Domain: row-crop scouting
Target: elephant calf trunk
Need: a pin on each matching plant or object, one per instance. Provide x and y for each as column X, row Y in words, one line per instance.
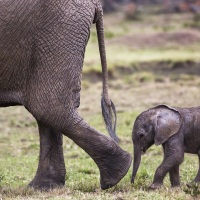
column 136, row 163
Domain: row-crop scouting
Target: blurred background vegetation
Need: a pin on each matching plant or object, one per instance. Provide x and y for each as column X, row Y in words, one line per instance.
column 153, row 52
column 168, row 6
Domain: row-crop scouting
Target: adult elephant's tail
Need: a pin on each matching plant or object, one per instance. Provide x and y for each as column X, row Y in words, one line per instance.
column 108, row 108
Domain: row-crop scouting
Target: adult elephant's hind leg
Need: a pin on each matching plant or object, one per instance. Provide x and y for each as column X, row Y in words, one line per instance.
column 112, row 161
column 51, row 168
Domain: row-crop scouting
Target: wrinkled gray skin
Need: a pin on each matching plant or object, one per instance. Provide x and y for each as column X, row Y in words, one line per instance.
column 42, row 46
column 177, row 129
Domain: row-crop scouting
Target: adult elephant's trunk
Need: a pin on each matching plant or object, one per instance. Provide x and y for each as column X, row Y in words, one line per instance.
column 137, row 159
column 108, row 108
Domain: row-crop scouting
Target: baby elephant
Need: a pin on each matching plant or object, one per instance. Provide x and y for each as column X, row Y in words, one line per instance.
column 177, row 129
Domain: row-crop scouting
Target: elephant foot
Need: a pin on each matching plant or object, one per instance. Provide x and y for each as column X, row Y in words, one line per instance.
column 45, row 185
column 115, row 169
column 155, row 186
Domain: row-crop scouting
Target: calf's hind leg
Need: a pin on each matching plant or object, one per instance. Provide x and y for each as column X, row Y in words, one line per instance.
column 197, row 178
column 51, row 168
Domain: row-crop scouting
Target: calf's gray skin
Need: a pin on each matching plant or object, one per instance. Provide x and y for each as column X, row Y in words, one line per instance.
column 42, row 47
column 177, row 129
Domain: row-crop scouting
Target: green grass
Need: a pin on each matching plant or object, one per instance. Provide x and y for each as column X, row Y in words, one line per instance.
column 19, row 157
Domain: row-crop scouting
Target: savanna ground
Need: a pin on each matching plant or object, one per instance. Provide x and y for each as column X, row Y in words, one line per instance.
column 153, row 60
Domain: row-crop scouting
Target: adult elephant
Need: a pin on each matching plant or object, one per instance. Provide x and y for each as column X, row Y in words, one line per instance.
column 42, row 46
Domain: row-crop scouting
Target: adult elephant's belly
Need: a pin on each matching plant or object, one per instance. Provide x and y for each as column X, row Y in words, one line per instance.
column 10, row 98
column 13, row 73
column 15, row 61
column 16, row 26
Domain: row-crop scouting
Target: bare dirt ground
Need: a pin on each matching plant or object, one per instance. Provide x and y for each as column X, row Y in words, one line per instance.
column 151, row 40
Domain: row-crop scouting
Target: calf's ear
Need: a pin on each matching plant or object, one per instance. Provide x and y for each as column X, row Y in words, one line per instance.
column 167, row 122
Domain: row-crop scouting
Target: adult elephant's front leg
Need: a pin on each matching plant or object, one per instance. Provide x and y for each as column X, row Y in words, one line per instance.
column 51, row 168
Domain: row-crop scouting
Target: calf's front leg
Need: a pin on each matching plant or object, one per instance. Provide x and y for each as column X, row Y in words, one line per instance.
column 173, row 157
column 174, row 176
